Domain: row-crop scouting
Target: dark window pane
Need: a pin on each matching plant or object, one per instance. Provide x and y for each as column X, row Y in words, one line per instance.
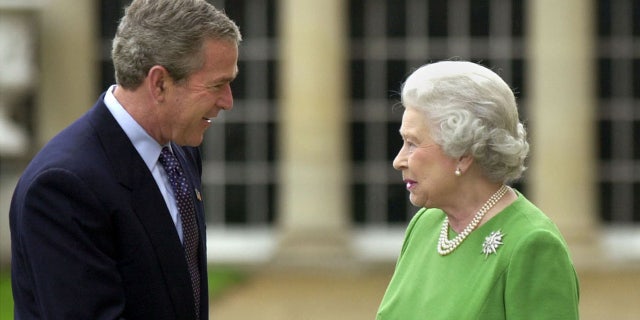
column 358, row 205
column 273, row 202
column 235, row 199
column 396, row 74
column 357, row 79
column 518, row 18
column 272, row 18
column 356, row 18
column 272, row 141
column 480, row 19
column 394, row 141
column 358, row 142
column 235, row 134
column 636, row 146
column 110, row 13
column 235, row 9
column 636, row 18
column 438, row 18
column 603, row 12
column 517, row 78
column 397, row 202
column 636, row 78
column 107, row 75
column 396, row 19
column 605, row 135
column 239, row 83
column 605, row 201
column 604, row 78
column 636, row 201
column 272, row 83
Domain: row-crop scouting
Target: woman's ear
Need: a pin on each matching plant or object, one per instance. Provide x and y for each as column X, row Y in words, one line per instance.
column 464, row 162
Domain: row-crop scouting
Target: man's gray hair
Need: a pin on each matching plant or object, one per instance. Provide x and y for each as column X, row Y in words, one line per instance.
column 170, row 33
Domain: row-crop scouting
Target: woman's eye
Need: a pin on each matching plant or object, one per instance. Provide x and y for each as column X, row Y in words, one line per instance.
column 409, row 145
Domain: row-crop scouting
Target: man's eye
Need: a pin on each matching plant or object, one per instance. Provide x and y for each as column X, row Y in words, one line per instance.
column 216, row 87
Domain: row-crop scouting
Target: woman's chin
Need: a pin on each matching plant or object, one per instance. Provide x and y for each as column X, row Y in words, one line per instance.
column 416, row 201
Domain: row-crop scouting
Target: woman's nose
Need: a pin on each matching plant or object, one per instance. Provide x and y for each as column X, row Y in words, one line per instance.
column 400, row 161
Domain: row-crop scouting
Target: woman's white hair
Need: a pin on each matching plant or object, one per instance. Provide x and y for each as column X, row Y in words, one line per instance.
column 471, row 111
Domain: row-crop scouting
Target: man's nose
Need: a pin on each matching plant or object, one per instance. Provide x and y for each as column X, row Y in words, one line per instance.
column 226, row 99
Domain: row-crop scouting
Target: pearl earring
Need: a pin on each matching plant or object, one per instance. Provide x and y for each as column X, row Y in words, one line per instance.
column 458, row 172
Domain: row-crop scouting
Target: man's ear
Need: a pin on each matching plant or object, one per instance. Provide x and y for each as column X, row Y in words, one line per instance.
column 158, row 79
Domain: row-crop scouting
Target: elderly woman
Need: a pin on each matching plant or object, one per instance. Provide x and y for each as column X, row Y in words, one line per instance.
column 477, row 249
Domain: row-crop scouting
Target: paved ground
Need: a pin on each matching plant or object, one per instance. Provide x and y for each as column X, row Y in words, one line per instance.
column 311, row 295
column 303, row 295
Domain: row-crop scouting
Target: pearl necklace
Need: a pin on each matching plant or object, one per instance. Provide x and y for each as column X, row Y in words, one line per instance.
column 446, row 246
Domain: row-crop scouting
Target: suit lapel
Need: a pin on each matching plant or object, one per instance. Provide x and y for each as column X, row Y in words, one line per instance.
column 148, row 205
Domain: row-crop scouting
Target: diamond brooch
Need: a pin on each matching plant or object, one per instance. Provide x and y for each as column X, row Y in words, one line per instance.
column 492, row 242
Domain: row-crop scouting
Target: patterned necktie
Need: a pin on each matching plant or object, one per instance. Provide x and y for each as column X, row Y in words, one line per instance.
column 187, row 211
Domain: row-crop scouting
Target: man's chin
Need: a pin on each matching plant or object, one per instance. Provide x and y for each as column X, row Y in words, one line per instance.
column 190, row 142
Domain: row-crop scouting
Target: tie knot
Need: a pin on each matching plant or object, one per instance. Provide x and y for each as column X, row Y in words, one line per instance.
column 167, row 159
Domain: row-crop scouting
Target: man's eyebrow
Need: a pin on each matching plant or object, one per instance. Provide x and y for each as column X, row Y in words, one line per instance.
column 229, row 78
column 224, row 80
column 220, row 81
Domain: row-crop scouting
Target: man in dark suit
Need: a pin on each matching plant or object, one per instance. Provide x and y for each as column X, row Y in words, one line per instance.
column 107, row 220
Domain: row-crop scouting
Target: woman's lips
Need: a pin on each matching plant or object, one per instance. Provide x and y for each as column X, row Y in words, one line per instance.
column 410, row 184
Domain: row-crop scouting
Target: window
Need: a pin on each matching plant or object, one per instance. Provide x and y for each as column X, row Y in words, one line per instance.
column 391, row 38
column 618, row 73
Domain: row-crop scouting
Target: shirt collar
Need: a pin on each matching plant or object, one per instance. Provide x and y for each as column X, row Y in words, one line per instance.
column 148, row 148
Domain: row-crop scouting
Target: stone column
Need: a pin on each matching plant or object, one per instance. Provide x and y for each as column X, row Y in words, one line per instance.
column 561, row 91
column 19, row 20
column 18, row 65
column 63, row 76
column 313, row 212
column 70, row 62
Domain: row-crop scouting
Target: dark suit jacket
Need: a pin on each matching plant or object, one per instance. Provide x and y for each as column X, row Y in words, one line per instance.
column 91, row 236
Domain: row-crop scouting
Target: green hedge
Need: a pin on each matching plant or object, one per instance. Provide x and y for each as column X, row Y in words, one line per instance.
column 6, row 300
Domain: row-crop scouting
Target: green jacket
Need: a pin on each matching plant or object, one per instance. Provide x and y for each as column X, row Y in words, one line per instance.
column 530, row 275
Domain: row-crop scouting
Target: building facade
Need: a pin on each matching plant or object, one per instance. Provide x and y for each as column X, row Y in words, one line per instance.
column 300, row 169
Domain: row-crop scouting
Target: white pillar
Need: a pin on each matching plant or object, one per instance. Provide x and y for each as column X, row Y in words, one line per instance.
column 561, row 73
column 69, row 61
column 18, row 43
column 65, row 80
column 313, row 213
column 18, row 80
